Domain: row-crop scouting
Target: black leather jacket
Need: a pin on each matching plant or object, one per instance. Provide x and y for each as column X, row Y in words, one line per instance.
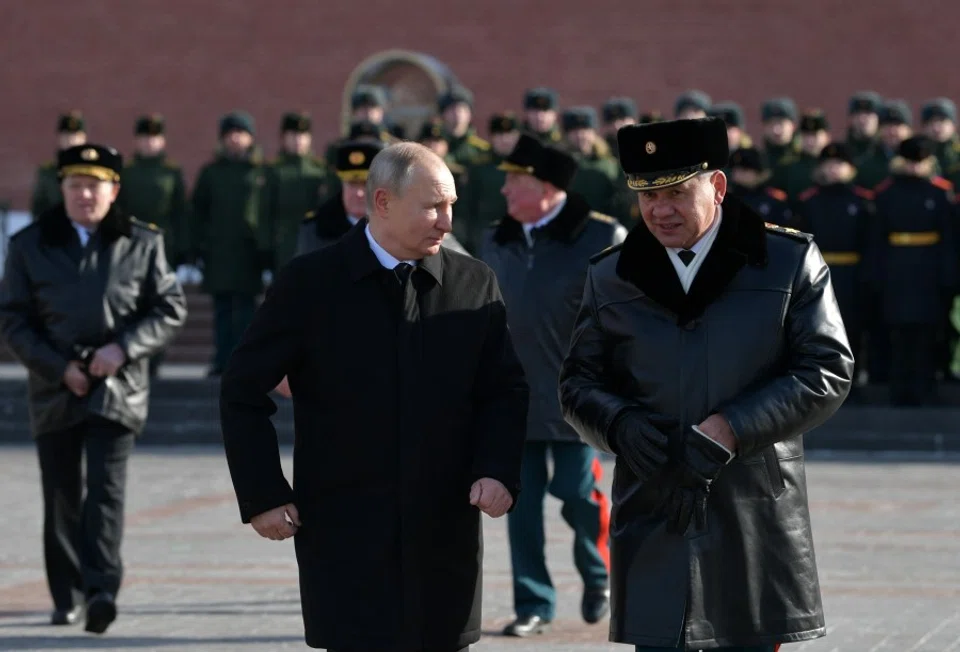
column 758, row 339
column 60, row 302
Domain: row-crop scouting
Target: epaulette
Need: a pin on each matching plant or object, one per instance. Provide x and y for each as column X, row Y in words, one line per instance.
column 49, row 165
column 777, row 194
column 596, row 258
column 309, row 216
column 941, row 183
column 864, row 193
column 956, row 145
column 150, row 226
column 883, row 185
column 478, row 142
column 600, row 217
column 746, row 141
column 788, row 232
column 808, row 193
column 171, row 164
column 456, row 168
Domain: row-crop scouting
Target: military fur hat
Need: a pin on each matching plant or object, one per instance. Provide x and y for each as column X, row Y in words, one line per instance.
column 813, row 121
column 432, row 130
column 579, row 117
column 650, row 116
column 354, row 158
column 896, row 112
column 939, row 108
column 619, row 108
column 298, row 122
column 150, row 125
column 237, row 121
column 542, row 99
column 730, row 112
column 836, row 152
column 864, row 102
column 71, row 123
column 99, row 161
column 456, row 95
column 692, row 99
column 544, row 162
column 778, row 108
column 917, row 149
column 504, row 123
column 747, row 158
column 368, row 96
column 664, row 154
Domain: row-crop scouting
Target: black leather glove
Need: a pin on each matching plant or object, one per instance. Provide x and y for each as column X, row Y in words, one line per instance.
column 643, row 448
column 687, row 484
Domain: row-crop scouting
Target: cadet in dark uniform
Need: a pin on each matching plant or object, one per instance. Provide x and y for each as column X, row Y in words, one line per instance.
column 484, row 196
column 750, row 183
column 540, row 251
column 71, row 131
column 367, row 104
column 814, row 136
column 862, row 123
column 540, row 107
column 298, row 181
column 780, row 146
column 895, row 120
column 433, row 136
column 231, row 231
column 597, row 169
column 152, row 188
column 617, row 112
column 86, row 299
column 939, row 117
column 691, row 104
column 838, row 214
column 464, row 146
column 913, row 267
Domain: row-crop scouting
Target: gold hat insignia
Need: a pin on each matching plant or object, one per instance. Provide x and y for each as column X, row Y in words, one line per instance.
column 651, row 147
column 356, row 158
column 89, row 154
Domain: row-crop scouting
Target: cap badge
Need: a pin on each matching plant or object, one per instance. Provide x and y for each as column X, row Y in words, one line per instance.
column 89, row 154
column 651, row 147
column 356, row 158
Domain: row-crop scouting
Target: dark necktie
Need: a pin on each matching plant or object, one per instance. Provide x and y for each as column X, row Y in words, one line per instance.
column 403, row 270
column 685, row 256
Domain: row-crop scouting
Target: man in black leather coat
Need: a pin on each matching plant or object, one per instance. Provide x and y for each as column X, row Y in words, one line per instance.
column 706, row 345
column 87, row 298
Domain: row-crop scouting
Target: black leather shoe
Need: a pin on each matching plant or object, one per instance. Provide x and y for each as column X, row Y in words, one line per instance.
column 101, row 611
column 66, row 616
column 595, row 604
column 526, row 626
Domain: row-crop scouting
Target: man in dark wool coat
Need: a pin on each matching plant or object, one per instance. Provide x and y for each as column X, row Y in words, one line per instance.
column 410, row 408
column 706, row 345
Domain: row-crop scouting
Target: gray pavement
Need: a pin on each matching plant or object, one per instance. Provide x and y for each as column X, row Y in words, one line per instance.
column 887, row 531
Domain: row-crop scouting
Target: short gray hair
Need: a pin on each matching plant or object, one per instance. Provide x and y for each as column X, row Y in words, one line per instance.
column 393, row 169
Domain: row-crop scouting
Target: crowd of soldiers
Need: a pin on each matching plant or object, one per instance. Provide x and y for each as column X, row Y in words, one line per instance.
column 879, row 202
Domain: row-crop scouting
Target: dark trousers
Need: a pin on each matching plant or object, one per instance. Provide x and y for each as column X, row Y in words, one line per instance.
column 232, row 313
column 756, row 648
column 82, row 534
column 913, row 350
column 576, row 477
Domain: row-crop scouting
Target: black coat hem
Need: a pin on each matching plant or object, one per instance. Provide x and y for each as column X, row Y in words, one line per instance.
column 720, row 642
column 465, row 639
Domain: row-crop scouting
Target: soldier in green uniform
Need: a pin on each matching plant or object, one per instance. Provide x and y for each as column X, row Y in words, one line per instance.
column 814, row 136
column 597, row 170
column 732, row 115
column 484, row 199
column 298, row 181
column 540, row 115
column 465, row 147
column 367, row 104
column 895, row 119
column 939, row 117
column 780, row 144
column 230, row 231
column 691, row 105
column 433, row 135
column 152, row 188
column 71, row 131
column 862, row 123
column 617, row 112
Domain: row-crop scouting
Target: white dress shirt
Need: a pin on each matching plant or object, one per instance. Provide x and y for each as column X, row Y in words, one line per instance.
column 543, row 221
column 353, row 220
column 689, row 272
column 385, row 257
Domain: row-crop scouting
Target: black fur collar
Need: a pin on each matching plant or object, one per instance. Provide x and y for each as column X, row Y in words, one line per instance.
column 565, row 227
column 331, row 219
column 741, row 240
column 57, row 230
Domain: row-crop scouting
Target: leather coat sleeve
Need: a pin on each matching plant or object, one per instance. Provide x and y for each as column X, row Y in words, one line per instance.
column 589, row 404
column 18, row 323
column 164, row 313
column 818, row 367
column 266, row 353
column 501, row 400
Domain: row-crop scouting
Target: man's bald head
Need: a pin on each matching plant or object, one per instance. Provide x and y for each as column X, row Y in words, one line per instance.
column 395, row 167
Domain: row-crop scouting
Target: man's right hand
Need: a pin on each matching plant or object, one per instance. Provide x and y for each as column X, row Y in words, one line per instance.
column 643, row 448
column 278, row 524
column 75, row 379
column 283, row 389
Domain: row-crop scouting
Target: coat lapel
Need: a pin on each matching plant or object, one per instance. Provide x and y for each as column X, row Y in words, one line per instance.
column 565, row 227
column 741, row 240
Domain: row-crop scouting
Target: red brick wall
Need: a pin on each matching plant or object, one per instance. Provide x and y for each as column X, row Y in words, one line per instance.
column 194, row 59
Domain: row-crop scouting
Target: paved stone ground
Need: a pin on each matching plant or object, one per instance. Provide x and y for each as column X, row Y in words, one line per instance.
column 888, row 537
